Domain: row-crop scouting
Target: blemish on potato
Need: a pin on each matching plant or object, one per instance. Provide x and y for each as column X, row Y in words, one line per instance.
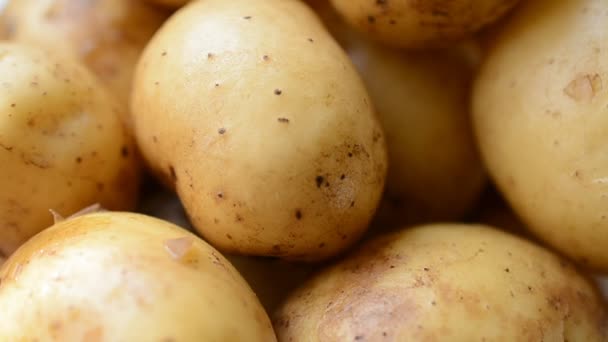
column 584, row 87
column 172, row 173
column 178, row 247
column 371, row 19
column 78, row 160
column 319, row 181
column 298, row 214
column 247, row 17
column 278, row 92
column 221, row 130
column 283, row 120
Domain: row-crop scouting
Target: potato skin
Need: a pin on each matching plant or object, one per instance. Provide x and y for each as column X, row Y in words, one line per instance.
column 62, row 144
column 418, row 24
column 106, row 35
column 110, row 277
column 540, row 118
column 430, row 283
column 272, row 143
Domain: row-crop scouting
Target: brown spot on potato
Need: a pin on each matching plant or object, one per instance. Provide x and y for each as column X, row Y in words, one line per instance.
column 124, row 151
column 172, row 173
column 278, row 92
column 283, row 120
column 210, row 55
column 319, row 181
column 266, row 57
column 298, row 214
column 78, row 160
column 371, row 19
column 584, row 87
column 221, row 130
column 311, row 40
column 247, row 17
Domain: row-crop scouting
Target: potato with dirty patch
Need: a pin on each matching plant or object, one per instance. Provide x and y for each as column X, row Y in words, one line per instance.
column 419, row 24
column 422, row 99
column 446, row 282
column 125, row 277
column 264, row 126
column 62, row 144
column 106, row 35
column 539, row 108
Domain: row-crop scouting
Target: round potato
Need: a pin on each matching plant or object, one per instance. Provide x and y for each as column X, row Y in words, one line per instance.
column 265, row 128
column 416, row 24
column 540, row 117
column 62, row 144
column 125, row 277
column 446, row 282
column 106, row 35
column 422, row 100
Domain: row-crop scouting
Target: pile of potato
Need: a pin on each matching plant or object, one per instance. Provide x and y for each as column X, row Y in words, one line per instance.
column 290, row 170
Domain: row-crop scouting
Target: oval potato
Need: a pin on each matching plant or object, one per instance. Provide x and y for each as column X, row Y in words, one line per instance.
column 540, row 117
column 125, row 277
column 431, row 283
column 62, row 144
column 260, row 120
column 106, row 35
column 417, row 24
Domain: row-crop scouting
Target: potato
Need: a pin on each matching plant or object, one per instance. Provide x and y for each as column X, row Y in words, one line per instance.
column 416, row 24
column 270, row 155
column 540, row 118
column 106, row 35
column 125, row 277
column 422, row 101
column 62, row 144
column 446, row 282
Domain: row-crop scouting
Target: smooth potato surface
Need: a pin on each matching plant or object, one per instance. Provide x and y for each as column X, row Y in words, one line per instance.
column 540, row 116
column 445, row 283
column 416, row 24
column 125, row 277
column 259, row 119
column 106, row 35
column 62, row 144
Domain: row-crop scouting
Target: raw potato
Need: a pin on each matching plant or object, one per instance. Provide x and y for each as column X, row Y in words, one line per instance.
column 540, row 115
column 422, row 99
column 446, row 283
column 106, row 35
column 125, row 277
column 264, row 126
column 416, row 24
column 62, row 144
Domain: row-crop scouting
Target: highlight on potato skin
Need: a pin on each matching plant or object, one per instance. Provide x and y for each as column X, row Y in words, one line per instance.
column 421, row 24
column 62, row 144
column 105, row 35
column 539, row 111
column 284, row 157
column 445, row 282
column 125, row 277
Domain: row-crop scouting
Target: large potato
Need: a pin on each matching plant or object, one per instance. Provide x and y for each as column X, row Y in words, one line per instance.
column 260, row 120
column 446, row 283
column 422, row 99
column 540, row 115
column 62, row 144
column 106, row 35
column 415, row 23
column 125, row 277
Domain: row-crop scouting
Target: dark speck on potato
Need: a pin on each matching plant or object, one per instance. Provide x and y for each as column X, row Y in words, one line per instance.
column 221, row 130
column 278, row 92
column 319, row 180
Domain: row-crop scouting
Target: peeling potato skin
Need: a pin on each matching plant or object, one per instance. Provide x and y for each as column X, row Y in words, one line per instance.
column 430, row 283
column 108, row 277
column 282, row 158
column 420, row 23
column 106, row 35
column 539, row 110
column 62, row 144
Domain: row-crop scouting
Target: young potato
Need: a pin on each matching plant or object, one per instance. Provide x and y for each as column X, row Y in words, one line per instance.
column 106, row 35
column 422, row 101
column 446, row 282
column 125, row 277
column 540, row 118
column 417, row 24
column 62, row 144
column 264, row 126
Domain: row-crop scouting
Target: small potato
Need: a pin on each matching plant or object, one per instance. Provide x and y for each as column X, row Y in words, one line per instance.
column 416, row 24
column 106, row 35
column 62, row 144
column 435, row 172
column 125, row 277
column 446, row 283
column 539, row 110
column 260, row 120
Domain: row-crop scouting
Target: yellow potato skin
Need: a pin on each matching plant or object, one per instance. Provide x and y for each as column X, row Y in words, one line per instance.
column 445, row 282
column 540, row 118
column 106, row 35
column 419, row 24
column 422, row 99
column 109, row 277
column 272, row 143
column 62, row 144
